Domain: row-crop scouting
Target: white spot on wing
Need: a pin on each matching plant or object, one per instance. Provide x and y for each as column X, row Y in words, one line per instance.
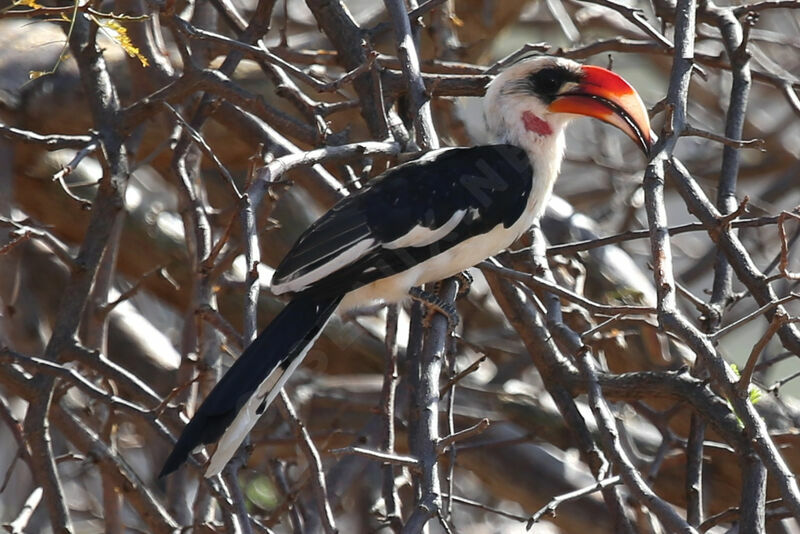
column 347, row 257
column 421, row 236
column 431, row 155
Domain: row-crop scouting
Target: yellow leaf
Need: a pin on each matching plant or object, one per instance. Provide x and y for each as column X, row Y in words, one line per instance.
column 119, row 34
column 34, row 74
column 29, row 3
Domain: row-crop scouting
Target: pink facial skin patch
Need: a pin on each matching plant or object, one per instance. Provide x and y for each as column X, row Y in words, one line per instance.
column 535, row 124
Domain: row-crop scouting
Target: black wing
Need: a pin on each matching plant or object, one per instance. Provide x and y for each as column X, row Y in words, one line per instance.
column 407, row 215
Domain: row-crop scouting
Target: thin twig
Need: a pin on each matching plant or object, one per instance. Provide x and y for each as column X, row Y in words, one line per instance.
column 51, row 142
column 471, row 368
column 758, row 144
column 67, row 169
column 732, row 514
column 578, row 246
column 555, row 502
column 754, row 314
column 198, row 138
column 135, row 288
column 420, row 108
column 379, row 456
column 778, row 320
column 474, row 430
column 783, row 266
column 25, row 231
column 486, row 508
column 315, row 464
column 18, row 525
column 539, row 282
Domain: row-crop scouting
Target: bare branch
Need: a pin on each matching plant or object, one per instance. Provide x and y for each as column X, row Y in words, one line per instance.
column 308, row 447
column 553, row 505
column 51, row 142
column 420, row 108
column 18, row 525
column 380, row 456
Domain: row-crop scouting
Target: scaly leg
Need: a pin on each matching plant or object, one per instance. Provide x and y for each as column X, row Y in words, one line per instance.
column 435, row 304
column 464, row 283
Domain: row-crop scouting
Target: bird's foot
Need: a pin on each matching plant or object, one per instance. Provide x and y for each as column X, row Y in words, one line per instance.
column 436, row 305
column 464, row 283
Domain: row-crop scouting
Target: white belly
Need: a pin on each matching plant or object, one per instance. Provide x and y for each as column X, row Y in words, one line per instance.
column 451, row 262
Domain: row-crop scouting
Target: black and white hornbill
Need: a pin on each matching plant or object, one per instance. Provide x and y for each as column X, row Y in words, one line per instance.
column 419, row 222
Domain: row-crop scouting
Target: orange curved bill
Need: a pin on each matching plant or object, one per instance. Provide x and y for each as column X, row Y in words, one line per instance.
column 605, row 95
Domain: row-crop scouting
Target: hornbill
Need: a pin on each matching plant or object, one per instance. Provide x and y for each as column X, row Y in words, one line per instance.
column 419, row 222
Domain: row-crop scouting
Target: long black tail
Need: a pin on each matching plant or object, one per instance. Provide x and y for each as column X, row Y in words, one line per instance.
column 244, row 392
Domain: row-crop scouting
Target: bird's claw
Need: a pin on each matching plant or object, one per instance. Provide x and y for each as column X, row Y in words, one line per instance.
column 464, row 283
column 437, row 305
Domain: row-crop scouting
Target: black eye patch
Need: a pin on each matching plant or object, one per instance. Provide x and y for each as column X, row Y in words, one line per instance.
column 547, row 82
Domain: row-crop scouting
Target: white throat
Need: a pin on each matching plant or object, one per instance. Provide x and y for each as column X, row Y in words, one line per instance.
column 523, row 120
column 506, row 119
column 545, row 151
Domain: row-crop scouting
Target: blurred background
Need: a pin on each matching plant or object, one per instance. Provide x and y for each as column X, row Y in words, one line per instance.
column 166, row 308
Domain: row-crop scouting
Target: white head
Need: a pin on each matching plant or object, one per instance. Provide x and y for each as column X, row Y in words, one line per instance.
column 531, row 102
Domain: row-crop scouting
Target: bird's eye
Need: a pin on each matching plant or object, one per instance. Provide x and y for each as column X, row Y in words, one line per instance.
column 547, row 81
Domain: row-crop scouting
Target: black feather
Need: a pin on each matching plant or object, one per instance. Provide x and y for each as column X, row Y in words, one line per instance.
column 279, row 344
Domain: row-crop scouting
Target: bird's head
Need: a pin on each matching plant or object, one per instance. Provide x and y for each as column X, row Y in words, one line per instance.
column 530, row 103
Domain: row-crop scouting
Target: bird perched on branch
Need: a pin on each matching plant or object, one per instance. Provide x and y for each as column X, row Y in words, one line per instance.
column 419, row 222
